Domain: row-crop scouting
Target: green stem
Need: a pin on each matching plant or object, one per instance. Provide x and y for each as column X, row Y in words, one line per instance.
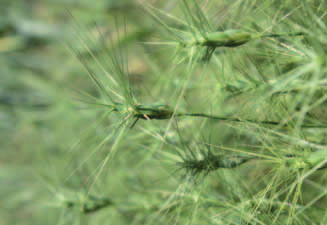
column 161, row 112
column 284, row 34
column 247, row 120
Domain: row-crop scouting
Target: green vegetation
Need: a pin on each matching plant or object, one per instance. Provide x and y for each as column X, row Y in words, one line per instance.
column 167, row 112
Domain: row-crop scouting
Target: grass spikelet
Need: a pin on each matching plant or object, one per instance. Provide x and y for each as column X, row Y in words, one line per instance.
column 211, row 162
column 198, row 160
column 232, row 38
column 114, row 83
column 201, row 33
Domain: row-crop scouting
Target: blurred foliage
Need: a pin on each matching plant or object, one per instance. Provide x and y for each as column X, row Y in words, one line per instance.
column 39, row 118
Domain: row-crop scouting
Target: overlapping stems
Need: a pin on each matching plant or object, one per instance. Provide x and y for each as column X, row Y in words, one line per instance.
column 114, row 82
column 198, row 160
column 116, row 74
column 194, row 159
column 201, row 35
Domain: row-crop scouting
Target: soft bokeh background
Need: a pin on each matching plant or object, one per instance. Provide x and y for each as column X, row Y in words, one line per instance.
column 39, row 121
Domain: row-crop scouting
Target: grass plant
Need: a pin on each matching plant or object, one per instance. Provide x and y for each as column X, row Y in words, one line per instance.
column 277, row 196
column 221, row 121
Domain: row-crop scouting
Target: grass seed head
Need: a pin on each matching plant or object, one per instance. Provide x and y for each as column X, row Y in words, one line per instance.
column 211, row 163
column 229, row 38
column 157, row 112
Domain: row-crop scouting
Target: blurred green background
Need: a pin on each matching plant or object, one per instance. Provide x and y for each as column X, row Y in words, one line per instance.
column 40, row 122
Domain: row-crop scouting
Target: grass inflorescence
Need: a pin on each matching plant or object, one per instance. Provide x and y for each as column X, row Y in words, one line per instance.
column 195, row 164
column 202, row 33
